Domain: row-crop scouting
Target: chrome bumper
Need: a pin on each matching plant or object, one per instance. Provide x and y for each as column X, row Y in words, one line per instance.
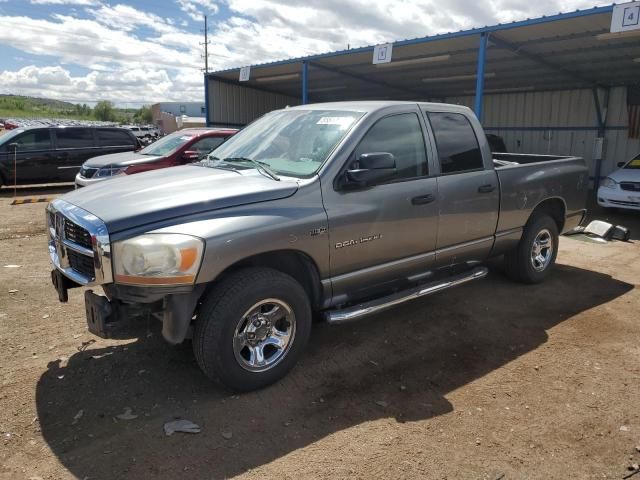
column 60, row 212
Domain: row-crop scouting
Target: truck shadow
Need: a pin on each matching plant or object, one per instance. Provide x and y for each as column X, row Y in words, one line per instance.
column 400, row 364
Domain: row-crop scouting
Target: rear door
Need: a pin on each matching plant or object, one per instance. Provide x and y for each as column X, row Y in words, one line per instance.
column 387, row 231
column 35, row 162
column 74, row 145
column 468, row 190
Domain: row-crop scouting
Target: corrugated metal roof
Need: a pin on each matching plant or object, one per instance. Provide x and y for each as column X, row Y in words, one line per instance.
column 567, row 50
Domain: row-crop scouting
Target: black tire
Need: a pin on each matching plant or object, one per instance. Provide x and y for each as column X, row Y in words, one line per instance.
column 222, row 312
column 519, row 265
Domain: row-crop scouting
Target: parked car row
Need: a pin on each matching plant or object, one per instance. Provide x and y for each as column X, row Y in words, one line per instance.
column 57, row 154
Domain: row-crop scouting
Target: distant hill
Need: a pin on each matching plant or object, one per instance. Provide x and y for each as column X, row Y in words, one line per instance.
column 19, row 106
column 32, row 107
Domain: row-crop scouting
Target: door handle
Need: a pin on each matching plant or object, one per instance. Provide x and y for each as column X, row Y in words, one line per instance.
column 423, row 199
column 486, row 188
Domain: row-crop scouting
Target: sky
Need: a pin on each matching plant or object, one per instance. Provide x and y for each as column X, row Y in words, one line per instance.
column 135, row 52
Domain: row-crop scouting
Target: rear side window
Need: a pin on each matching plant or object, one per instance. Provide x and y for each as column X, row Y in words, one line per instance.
column 206, row 145
column 33, row 140
column 74, row 137
column 458, row 148
column 114, row 138
column 400, row 135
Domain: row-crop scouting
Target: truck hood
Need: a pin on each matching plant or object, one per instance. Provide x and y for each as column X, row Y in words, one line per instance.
column 144, row 198
column 625, row 175
column 120, row 159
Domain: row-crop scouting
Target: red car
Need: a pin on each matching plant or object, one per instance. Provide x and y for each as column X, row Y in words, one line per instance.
column 184, row 146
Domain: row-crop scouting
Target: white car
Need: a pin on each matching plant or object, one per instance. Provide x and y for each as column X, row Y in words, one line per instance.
column 621, row 189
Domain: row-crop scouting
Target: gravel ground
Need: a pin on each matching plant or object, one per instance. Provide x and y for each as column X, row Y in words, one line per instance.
column 493, row 380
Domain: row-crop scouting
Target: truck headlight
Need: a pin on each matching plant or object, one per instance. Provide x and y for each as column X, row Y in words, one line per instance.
column 609, row 183
column 157, row 259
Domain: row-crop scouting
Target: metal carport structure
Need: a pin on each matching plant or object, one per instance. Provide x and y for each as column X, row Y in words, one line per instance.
column 556, row 75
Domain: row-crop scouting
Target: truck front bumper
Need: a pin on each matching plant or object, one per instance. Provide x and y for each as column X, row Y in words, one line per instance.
column 124, row 310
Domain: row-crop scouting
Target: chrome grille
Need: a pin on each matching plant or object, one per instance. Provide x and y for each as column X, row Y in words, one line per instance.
column 81, row 263
column 76, row 234
column 78, row 244
column 630, row 186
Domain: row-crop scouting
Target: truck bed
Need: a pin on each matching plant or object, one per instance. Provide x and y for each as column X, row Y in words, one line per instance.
column 526, row 180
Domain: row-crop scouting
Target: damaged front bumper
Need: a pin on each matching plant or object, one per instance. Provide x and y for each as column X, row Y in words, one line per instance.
column 123, row 309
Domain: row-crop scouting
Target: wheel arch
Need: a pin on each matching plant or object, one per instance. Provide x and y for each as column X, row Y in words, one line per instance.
column 294, row 263
column 555, row 207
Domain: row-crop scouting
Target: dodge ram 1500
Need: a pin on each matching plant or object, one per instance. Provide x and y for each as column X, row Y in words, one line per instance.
column 338, row 210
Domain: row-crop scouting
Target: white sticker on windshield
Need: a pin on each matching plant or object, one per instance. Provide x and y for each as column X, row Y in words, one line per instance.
column 342, row 121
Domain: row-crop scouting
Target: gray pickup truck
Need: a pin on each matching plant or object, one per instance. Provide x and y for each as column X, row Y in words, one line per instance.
column 331, row 211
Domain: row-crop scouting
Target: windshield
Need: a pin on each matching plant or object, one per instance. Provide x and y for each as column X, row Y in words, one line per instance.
column 289, row 142
column 167, row 145
column 633, row 164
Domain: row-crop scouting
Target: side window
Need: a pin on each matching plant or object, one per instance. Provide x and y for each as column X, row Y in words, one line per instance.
column 74, row 137
column 33, row 140
column 114, row 138
column 400, row 135
column 458, row 148
column 204, row 146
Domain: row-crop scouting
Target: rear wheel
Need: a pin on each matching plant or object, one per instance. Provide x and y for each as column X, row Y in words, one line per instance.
column 536, row 252
column 252, row 328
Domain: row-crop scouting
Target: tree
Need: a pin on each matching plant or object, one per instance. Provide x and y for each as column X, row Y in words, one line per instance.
column 104, row 111
column 143, row 115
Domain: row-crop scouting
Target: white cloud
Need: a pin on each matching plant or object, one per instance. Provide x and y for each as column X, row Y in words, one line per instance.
column 197, row 8
column 127, row 63
column 65, row 2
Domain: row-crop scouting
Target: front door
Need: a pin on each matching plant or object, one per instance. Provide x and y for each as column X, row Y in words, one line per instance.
column 387, row 231
column 33, row 157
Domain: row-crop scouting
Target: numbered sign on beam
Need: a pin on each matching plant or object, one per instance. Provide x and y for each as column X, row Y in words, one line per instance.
column 382, row 53
column 625, row 17
column 245, row 73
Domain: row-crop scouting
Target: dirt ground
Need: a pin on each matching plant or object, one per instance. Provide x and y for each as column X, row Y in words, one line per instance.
column 493, row 380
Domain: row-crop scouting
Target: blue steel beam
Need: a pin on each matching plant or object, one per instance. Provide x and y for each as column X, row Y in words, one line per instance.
column 206, row 100
column 482, row 60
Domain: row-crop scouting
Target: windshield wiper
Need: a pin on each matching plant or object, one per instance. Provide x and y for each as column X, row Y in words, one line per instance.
column 214, row 162
column 262, row 167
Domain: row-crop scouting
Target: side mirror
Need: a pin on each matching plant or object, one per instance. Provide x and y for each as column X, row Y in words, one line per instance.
column 191, row 156
column 372, row 168
column 621, row 164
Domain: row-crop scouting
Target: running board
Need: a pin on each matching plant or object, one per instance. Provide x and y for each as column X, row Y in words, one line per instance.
column 335, row 317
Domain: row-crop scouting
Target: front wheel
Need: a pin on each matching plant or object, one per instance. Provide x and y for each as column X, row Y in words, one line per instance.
column 536, row 252
column 252, row 328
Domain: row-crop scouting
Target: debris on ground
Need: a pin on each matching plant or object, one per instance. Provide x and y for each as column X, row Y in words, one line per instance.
column 624, row 428
column 382, row 403
column 77, row 416
column 12, row 266
column 633, row 467
column 84, row 345
column 227, row 435
column 127, row 415
column 12, row 291
column 184, row 426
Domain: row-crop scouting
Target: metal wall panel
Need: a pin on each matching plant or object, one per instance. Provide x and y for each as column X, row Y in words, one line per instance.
column 562, row 122
column 233, row 105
